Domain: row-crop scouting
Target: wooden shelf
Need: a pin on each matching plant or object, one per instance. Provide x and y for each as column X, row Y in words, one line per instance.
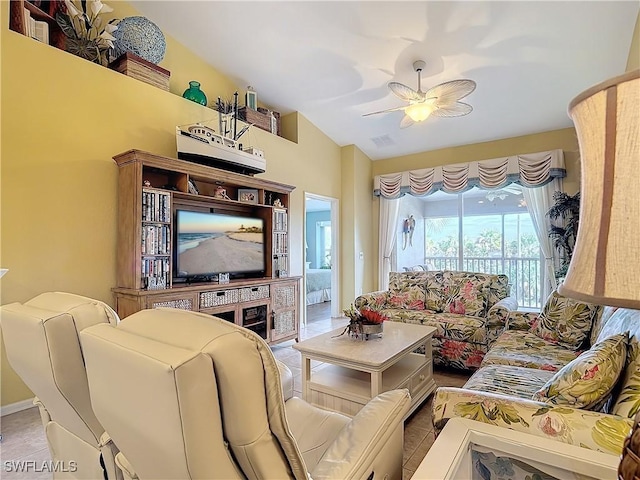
column 151, row 190
column 17, row 23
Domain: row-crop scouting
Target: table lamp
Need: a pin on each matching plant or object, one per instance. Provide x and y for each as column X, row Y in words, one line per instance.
column 605, row 267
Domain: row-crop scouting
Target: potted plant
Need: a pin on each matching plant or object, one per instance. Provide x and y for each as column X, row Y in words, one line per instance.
column 564, row 216
column 88, row 35
column 364, row 322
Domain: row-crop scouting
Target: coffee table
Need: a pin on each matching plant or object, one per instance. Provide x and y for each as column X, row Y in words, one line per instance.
column 354, row 371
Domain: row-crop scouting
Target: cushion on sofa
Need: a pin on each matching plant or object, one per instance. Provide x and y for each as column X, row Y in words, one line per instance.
column 458, row 327
column 457, row 354
column 565, row 321
column 524, row 349
column 418, row 317
column 587, row 381
column 627, row 403
column 466, row 295
column 406, row 290
column 433, row 289
column 508, row 380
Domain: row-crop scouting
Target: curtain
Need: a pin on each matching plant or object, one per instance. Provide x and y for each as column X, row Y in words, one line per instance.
column 387, row 239
column 530, row 170
column 539, row 200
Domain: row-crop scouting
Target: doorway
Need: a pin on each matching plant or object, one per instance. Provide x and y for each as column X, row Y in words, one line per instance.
column 321, row 257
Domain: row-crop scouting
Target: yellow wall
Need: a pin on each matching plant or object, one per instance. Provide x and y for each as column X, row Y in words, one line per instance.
column 356, row 234
column 63, row 118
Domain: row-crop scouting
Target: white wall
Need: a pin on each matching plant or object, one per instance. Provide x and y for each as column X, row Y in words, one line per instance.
column 412, row 254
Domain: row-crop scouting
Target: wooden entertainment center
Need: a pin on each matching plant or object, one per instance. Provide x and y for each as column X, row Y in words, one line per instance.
column 151, row 188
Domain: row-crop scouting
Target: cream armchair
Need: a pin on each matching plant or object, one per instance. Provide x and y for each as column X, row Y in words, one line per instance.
column 42, row 345
column 186, row 395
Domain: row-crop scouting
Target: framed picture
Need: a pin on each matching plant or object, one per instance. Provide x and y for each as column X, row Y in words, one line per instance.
column 248, row 195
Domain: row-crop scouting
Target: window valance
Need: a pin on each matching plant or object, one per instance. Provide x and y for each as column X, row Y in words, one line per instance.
column 530, row 170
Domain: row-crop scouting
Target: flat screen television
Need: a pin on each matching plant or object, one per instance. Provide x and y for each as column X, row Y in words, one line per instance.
column 211, row 243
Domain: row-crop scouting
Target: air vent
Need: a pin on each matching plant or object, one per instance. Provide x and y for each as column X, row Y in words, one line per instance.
column 383, row 141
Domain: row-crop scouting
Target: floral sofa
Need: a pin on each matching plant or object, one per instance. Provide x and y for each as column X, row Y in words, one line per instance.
column 469, row 310
column 570, row 373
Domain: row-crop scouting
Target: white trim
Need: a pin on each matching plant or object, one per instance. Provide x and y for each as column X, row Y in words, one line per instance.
column 335, row 252
column 16, row 407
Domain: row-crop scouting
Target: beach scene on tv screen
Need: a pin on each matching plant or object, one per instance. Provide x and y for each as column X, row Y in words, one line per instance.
column 209, row 243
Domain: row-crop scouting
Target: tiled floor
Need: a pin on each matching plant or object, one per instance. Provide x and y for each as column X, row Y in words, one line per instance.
column 23, row 436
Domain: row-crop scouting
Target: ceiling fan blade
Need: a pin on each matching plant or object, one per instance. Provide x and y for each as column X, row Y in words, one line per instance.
column 450, row 92
column 458, row 109
column 384, row 111
column 406, row 122
column 405, row 93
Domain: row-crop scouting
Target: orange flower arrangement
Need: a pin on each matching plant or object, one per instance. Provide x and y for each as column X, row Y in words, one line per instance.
column 358, row 319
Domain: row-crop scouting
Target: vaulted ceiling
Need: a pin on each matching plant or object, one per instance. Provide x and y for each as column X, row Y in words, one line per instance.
column 331, row 61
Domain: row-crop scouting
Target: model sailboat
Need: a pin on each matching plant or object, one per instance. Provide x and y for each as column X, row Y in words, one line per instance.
column 201, row 144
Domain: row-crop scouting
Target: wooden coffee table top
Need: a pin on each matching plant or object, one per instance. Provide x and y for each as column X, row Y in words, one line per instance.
column 378, row 352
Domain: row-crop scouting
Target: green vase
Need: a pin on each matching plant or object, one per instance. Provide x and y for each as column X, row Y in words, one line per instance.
column 194, row 93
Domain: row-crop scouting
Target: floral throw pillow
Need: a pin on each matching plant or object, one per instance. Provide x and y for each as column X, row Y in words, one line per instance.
column 628, row 401
column 466, row 297
column 434, row 292
column 587, row 381
column 406, row 290
column 565, row 321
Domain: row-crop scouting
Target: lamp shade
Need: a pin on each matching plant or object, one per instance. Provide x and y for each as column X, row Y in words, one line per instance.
column 605, row 266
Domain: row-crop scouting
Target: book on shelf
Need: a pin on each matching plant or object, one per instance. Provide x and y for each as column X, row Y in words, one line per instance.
column 40, row 31
column 280, row 219
column 155, row 273
column 155, row 207
column 35, row 28
column 156, row 240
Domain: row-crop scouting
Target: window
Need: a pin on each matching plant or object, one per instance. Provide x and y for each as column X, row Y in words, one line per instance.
column 324, row 244
column 485, row 231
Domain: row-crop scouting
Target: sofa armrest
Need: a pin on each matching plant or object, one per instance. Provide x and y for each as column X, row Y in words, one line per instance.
column 521, row 320
column 371, row 443
column 372, row 299
column 585, row 428
column 497, row 317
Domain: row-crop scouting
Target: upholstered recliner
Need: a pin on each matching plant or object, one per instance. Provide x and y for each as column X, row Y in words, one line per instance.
column 186, row 395
column 43, row 347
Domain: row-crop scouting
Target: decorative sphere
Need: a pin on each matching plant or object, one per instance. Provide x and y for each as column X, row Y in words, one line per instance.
column 140, row 36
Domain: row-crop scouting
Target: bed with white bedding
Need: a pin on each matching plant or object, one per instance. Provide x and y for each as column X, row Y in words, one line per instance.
column 318, row 281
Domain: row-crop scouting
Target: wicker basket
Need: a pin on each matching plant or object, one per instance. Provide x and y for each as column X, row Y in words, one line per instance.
column 259, row 118
column 629, row 468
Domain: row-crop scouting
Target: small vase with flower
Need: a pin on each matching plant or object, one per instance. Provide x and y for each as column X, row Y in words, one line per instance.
column 363, row 322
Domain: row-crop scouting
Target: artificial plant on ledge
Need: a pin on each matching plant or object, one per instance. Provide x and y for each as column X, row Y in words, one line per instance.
column 88, row 36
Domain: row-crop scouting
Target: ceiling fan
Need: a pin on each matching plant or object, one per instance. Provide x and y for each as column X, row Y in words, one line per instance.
column 440, row 101
column 504, row 192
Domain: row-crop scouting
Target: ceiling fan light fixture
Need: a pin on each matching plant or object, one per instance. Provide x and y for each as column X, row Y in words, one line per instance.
column 419, row 111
